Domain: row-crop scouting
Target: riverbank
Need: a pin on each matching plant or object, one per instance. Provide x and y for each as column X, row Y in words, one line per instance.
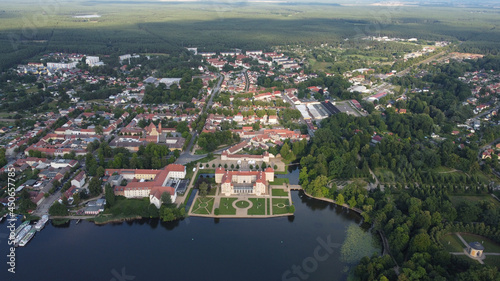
column 359, row 211
column 241, row 216
column 113, row 219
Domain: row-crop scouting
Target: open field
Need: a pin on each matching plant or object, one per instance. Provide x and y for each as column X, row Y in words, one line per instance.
column 452, row 243
column 489, row 245
column 27, row 29
column 492, row 260
column 457, row 199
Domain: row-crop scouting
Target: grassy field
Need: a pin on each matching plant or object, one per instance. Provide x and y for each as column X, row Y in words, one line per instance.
column 457, row 199
column 206, row 159
column 489, row 245
column 268, row 208
column 280, row 206
column 279, row 181
column 279, row 192
column 258, row 207
column 452, row 243
column 226, row 206
column 242, row 204
column 203, row 206
column 188, row 195
column 492, row 260
column 321, row 66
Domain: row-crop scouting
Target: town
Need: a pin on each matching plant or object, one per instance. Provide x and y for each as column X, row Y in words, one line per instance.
column 218, row 134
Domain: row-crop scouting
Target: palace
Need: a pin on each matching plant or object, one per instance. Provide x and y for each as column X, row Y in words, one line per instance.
column 249, row 182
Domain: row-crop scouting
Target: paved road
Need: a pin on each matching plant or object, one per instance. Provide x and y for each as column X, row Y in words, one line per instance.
column 43, row 208
column 187, row 156
column 247, row 81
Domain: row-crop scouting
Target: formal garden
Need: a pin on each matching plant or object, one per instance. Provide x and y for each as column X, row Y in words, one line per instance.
column 258, row 206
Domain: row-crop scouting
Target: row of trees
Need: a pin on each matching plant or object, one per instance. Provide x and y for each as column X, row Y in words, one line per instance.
column 210, row 141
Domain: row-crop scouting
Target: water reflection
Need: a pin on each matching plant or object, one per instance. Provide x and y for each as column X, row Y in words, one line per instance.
column 261, row 248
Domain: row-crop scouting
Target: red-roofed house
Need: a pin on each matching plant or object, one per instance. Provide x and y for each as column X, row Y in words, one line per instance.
column 144, row 181
column 79, row 180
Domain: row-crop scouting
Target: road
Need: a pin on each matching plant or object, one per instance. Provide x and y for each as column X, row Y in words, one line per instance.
column 187, row 156
column 427, row 60
column 247, row 81
column 485, row 113
column 43, row 208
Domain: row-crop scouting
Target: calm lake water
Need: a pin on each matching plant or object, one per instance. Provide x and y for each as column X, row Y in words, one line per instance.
column 191, row 249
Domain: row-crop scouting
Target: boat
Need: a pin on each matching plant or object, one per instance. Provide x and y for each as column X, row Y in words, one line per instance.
column 21, row 234
column 21, row 227
column 27, row 238
column 41, row 223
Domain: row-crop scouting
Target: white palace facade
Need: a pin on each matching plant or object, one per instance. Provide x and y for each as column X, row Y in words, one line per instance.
column 244, row 182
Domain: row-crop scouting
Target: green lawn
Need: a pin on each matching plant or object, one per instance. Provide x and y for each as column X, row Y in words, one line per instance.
column 258, row 207
column 455, row 244
column 279, row 192
column 280, row 206
column 489, row 245
column 188, row 195
column 268, row 209
column 492, row 260
column 205, row 171
column 476, row 198
column 206, row 159
column 242, row 204
column 200, row 151
column 203, row 205
column 279, row 181
column 226, row 206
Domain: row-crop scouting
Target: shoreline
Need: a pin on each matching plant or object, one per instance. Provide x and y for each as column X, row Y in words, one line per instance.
column 115, row 220
column 242, row 217
column 359, row 211
column 132, row 218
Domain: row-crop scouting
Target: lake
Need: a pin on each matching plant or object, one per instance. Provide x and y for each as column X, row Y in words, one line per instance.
column 191, row 249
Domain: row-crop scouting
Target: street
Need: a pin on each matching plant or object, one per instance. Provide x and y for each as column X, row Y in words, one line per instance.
column 187, row 156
